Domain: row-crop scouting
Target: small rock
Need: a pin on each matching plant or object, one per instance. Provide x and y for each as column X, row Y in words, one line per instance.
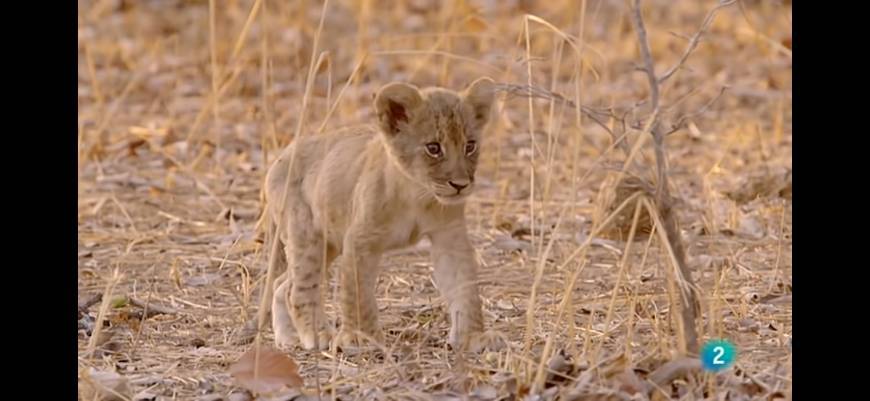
column 485, row 392
column 509, row 244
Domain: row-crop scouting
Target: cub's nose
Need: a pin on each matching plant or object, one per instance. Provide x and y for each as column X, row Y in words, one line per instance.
column 459, row 185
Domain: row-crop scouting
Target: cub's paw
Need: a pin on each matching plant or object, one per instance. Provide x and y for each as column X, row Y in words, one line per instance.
column 320, row 340
column 482, row 341
column 285, row 336
column 354, row 341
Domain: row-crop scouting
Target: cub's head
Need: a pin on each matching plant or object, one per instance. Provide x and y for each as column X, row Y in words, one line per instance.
column 434, row 134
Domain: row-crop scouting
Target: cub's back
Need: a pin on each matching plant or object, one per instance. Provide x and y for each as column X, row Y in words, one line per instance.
column 326, row 166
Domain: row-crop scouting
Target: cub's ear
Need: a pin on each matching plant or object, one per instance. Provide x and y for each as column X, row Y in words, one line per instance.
column 480, row 95
column 396, row 103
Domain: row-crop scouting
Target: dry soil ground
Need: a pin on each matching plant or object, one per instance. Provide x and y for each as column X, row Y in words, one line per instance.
column 182, row 104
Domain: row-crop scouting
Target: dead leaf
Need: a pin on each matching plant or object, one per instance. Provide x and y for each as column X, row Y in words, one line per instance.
column 145, row 396
column 86, row 323
column 476, row 24
column 152, row 131
column 90, row 301
column 550, row 393
column 673, row 370
column 751, row 227
column 103, row 385
column 203, row 280
column 509, row 244
column 761, row 185
column 507, row 381
column 421, row 6
column 104, row 337
column 247, row 334
column 133, row 145
column 776, row 396
column 748, row 325
column 505, row 224
column 628, row 382
column 694, row 132
column 152, row 306
column 275, row 371
column 559, row 368
column 613, row 365
column 751, row 388
column 239, row 396
column 446, row 397
column 613, row 193
column 485, row 392
column 785, row 299
column 521, row 232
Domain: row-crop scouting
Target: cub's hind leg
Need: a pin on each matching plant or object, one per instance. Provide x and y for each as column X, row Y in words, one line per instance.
column 282, row 323
column 308, row 255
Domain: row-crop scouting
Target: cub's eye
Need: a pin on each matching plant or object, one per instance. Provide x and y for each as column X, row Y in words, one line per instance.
column 470, row 147
column 433, row 149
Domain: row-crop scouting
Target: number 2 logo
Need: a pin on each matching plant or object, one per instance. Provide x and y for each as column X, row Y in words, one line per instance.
column 719, row 351
column 718, row 355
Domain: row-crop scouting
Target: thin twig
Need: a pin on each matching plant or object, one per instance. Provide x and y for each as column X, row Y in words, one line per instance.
column 151, row 309
column 525, row 90
column 682, row 120
column 105, row 304
column 693, row 42
column 90, row 301
column 640, row 29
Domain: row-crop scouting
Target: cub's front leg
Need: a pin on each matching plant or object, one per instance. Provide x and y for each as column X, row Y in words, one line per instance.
column 358, row 279
column 456, row 277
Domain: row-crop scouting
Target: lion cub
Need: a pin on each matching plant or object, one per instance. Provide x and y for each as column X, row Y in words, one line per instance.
column 359, row 192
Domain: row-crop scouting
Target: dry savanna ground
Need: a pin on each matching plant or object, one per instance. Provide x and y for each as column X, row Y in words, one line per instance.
column 183, row 104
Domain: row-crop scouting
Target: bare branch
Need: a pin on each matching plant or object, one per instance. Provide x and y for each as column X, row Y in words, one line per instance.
column 90, row 301
column 680, row 35
column 682, row 120
column 693, row 42
column 640, row 29
column 664, row 205
column 535, row 92
column 646, row 55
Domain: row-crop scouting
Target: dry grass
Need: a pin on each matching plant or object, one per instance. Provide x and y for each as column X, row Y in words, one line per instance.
column 183, row 104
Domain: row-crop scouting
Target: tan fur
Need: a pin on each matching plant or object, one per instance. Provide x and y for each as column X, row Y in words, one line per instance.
column 359, row 192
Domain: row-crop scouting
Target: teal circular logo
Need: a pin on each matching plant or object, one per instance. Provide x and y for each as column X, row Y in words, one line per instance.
column 718, row 355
